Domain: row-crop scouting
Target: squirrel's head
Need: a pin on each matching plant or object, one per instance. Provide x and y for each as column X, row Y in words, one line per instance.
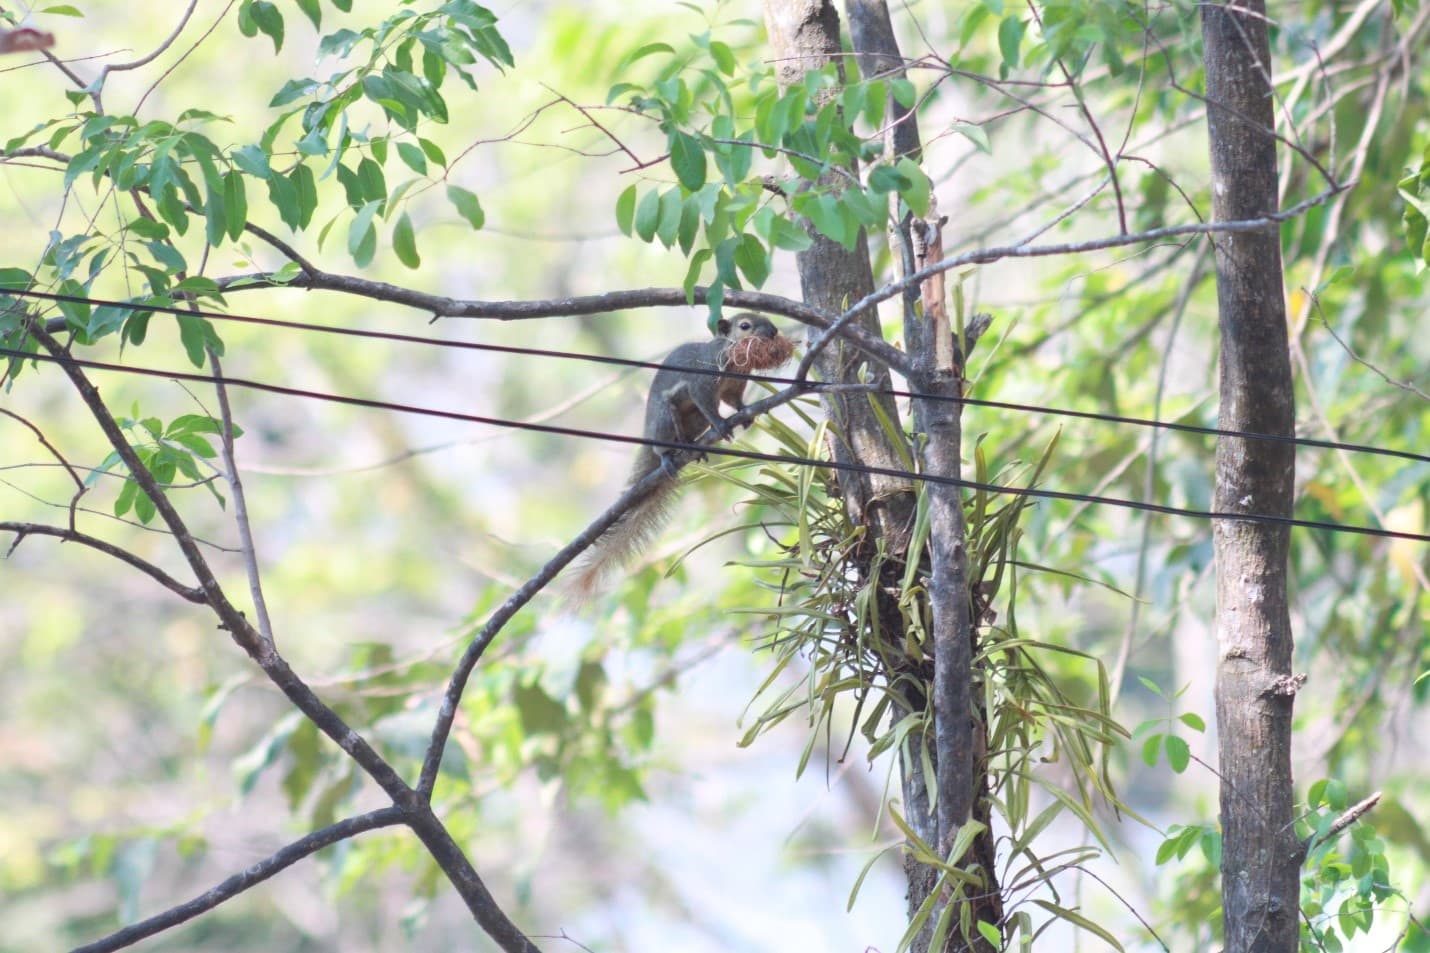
column 745, row 325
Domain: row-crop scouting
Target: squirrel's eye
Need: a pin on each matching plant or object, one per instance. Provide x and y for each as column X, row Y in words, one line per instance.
column 744, row 325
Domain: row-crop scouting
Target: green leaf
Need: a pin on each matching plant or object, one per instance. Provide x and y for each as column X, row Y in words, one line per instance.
column 642, row 728
column 1151, row 748
column 235, row 201
column 590, row 683
column 194, row 423
column 1010, row 39
column 130, row 868
column 269, row 22
column 432, row 151
column 904, row 93
column 650, row 49
column 752, row 259
column 723, row 57
column 787, row 235
column 404, row 242
column 144, row 508
column 362, row 235
column 834, row 219
column 252, row 160
column 246, row 26
column 292, row 91
column 687, row 158
column 539, row 712
column 734, row 161
column 648, row 215
column 883, row 178
column 689, row 225
column 149, row 229
column 63, row 10
column 312, row 11
column 1193, row 721
column 125, row 501
column 973, row 133
column 467, row 205
column 670, row 214
column 283, row 196
column 1179, row 755
column 863, row 873
column 619, row 90
column 313, row 144
column 249, row 766
column 692, row 273
column 373, row 182
column 14, row 279
column 306, row 188
column 215, row 218
column 626, row 209
column 413, row 157
column 305, row 763
column 919, row 188
column 194, row 333
column 1080, row 921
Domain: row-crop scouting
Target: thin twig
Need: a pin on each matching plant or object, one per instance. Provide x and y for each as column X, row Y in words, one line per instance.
column 21, row 530
column 640, row 164
column 1403, row 385
column 1348, row 817
column 80, row 488
column 243, row 880
column 1105, row 154
column 158, row 50
column 240, row 503
column 222, row 15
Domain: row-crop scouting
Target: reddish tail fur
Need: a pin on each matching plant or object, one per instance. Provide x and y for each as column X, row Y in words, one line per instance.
column 619, row 544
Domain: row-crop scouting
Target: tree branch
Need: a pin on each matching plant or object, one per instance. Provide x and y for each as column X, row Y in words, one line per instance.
column 441, row 306
column 453, row 862
column 21, row 530
column 456, row 685
column 240, row 629
column 1348, row 817
column 251, row 876
column 240, row 503
column 80, row 488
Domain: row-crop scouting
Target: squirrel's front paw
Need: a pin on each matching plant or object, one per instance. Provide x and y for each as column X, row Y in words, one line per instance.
column 667, row 465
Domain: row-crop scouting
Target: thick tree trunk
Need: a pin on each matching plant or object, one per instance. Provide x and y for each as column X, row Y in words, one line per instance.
column 804, row 35
column 1255, row 687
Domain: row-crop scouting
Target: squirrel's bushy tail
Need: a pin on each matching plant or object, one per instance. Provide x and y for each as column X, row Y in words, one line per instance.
column 619, row 544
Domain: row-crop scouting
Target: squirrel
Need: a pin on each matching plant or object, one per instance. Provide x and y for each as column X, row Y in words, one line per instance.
column 684, row 401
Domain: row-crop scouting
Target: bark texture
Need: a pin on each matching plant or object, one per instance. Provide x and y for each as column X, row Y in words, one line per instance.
column 1255, row 688
column 804, row 35
column 960, row 745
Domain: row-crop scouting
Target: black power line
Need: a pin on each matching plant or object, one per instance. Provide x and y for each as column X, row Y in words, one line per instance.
column 723, row 451
column 814, row 386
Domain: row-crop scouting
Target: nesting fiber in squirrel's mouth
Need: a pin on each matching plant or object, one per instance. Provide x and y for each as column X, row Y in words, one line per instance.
column 759, row 354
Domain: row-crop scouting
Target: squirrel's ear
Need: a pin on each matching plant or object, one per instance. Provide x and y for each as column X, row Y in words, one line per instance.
column 723, row 328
